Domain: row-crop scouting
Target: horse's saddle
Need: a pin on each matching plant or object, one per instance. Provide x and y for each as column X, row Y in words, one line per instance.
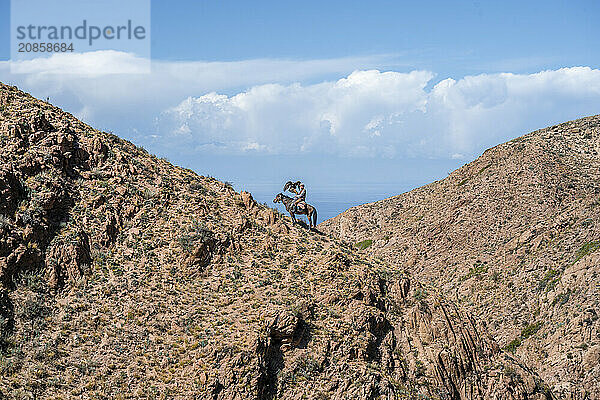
column 301, row 207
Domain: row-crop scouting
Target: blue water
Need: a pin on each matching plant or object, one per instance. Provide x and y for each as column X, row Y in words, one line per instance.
column 334, row 184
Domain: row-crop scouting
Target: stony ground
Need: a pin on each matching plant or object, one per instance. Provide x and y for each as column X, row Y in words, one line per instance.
column 123, row 276
column 512, row 238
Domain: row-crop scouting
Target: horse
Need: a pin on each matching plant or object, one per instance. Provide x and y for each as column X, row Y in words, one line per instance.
column 302, row 209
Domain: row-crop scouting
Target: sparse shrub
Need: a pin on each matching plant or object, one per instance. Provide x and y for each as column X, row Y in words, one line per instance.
column 483, row 169
column 307, row 367
column 549, row 280
column 512, row 346
column 586, row 249
column 562, row 298
column 239, row 202
column 197, row 234
column 33, row 312
column 237, row 273
column 364, row 244
column 197, row 187
column 421, row 371
column 496, row 276
column 477, row 270
column 509, row 372
column 526, row 333
column 530, row 330
column 420, row 294
column 4, row 222
column 148, row 194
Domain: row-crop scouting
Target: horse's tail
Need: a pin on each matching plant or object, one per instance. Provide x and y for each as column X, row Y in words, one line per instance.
column 314, row 216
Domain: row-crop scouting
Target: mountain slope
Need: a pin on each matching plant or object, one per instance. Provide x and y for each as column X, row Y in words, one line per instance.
column 123, row 276
column 512, row 237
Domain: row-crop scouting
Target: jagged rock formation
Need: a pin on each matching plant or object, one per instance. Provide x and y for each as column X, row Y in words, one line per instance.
column 123, row 276
column 512, row 238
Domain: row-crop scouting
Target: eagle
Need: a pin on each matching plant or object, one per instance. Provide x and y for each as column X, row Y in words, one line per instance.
column 292, row 186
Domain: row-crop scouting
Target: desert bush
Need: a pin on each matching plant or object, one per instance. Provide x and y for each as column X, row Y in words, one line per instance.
column 550, row 279
column 364, row 244
column 586, row 249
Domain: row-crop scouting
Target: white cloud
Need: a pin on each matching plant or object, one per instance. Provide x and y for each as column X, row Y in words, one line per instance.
column 258, row 106
column 341, row 116
column 125, row 101
column 90, row 64
column 480, row 111
column 372, row 113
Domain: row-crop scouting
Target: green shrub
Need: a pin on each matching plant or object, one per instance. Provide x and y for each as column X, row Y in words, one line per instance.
column 509, row 372
column 190, row 240
column 482, row 170
column 527, row 332
column 586, row 249
column 364, row 244
column 531, row 329
column 477, row 270
column 496, row 276
column 549, row 280
column 512, row 346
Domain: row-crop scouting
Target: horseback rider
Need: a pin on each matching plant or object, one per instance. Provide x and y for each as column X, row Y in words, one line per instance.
column 297, row 204
column 300, row 197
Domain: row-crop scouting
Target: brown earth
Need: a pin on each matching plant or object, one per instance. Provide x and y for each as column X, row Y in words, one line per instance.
column 123, row 276
column 511, row 237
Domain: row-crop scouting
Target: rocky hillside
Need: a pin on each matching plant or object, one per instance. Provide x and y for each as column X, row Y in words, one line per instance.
column 123, row 276
column 511, row 238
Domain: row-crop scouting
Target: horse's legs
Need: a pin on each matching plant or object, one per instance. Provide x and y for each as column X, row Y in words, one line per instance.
column 293, row 217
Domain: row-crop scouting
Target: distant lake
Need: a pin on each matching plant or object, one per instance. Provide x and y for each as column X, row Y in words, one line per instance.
column 329, row 200
column 334, row 184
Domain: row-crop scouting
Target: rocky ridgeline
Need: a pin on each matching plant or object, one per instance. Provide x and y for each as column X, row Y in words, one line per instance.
column 123, row 276
column 512, row 239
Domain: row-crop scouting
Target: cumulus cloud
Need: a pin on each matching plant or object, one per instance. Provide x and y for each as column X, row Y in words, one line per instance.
column 346, row 115
column 291, row 107
column 95, row 89
column 373, row 113
column 479, row 111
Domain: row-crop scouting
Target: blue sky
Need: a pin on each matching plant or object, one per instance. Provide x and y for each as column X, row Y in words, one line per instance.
column 362, row 100
column 454, row 37
column 461, row 37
